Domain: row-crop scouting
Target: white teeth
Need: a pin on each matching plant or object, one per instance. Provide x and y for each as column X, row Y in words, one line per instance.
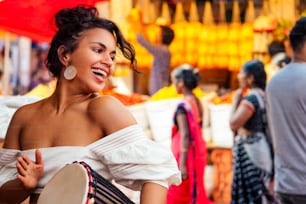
column 99, row 72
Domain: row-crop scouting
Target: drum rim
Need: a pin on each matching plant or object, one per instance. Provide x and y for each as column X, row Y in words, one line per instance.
column 81, row 167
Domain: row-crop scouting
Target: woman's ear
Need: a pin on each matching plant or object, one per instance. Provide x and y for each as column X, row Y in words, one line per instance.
column 63, row 56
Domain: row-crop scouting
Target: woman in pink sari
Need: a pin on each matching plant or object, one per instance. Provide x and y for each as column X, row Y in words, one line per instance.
column 188, row 145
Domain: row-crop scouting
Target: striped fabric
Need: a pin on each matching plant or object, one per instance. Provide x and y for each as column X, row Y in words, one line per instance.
column 8, row 156
column 103, row 191
column 246, row 187
column 248, row 179
column 118, row 139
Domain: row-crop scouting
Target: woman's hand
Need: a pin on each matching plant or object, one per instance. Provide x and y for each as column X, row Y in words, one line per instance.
column 29, row 172
column 184, row 172
column 237, row 98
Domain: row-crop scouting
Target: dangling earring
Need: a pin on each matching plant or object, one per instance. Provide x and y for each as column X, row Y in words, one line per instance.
column 70, row 72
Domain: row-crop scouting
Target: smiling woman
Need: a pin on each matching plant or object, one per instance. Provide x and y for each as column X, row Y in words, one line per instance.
column 77, row 124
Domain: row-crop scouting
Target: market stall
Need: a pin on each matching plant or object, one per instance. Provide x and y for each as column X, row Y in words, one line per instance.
column 215, row 43
column 218, row 48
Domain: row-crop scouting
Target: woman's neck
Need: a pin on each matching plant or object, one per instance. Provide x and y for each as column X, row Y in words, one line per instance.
column 63, row 97
column 188, row 94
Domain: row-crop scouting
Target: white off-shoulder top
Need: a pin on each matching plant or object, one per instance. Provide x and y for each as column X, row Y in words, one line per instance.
column 127, row 156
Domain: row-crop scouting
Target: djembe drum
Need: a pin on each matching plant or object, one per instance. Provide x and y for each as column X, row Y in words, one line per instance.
column 77, row 183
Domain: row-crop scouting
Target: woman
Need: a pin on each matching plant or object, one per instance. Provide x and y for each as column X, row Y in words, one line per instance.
column 75, row 124
column 252, row 158
column 188, row 145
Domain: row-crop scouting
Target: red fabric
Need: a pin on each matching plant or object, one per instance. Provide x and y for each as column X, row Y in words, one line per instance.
column 248, row 105
column 182, row 194
column 34, row 18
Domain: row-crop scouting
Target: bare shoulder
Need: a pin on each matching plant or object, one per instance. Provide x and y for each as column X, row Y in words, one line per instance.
column 24, row 113
column 20, row 119
column 110, row 114
column 105, row 101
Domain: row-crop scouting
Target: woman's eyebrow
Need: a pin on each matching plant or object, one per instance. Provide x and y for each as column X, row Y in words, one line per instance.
column 103, row 46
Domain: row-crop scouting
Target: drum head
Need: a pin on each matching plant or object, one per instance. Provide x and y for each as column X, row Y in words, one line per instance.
column 68, row 185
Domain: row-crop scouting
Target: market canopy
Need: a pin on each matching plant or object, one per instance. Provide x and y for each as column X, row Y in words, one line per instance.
column 34, row 18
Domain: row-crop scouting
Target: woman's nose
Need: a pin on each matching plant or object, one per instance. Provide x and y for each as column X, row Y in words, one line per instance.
column 108, row 59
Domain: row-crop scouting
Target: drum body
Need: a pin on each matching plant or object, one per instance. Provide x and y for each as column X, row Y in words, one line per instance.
column 77, row 183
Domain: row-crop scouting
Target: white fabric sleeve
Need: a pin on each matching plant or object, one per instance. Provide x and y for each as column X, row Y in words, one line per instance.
column 133, row 159
column 8, row 160
column 163, row 183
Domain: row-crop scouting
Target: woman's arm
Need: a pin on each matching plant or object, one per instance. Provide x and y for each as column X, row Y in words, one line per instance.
column 13, row 192
column 240, row 117
column 184, row 130
column 237, row 99
column 29, row 172
column 153, row 193
column 147, row 45
column 112, row 117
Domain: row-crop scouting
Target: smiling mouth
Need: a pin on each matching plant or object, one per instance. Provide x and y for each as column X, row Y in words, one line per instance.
column 99, row 72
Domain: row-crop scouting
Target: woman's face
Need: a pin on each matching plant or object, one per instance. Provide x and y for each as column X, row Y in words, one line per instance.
column 94, row 59
column 177, row 83
column 242, row 79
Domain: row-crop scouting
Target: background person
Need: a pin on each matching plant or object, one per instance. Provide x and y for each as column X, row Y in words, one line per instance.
column 41, row 74
column 160, row 70
column 188, row 145
column 286, row 100
column 283, row 62
column 276, row 51
column 252, row 167
column 75, row 124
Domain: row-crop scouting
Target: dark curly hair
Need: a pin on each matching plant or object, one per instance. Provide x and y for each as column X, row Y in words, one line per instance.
column 257, row 69
column 71, row 23
column 188, row 74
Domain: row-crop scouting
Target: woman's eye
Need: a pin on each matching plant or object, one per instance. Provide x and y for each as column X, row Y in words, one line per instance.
column 97, row 50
